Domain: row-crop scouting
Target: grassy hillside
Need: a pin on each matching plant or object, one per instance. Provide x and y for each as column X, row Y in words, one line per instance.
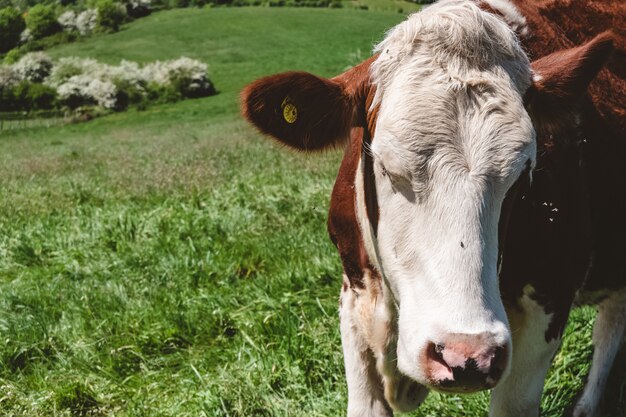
column 171, row 263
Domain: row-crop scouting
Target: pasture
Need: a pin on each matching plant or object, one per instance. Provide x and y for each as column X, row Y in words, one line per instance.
column 170, row 262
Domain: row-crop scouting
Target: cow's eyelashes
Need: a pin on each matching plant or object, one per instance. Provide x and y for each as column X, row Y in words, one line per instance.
column 385, row 173
column 395, row 180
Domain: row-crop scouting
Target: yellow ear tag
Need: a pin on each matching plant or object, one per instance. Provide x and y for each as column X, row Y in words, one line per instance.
column 290, row 112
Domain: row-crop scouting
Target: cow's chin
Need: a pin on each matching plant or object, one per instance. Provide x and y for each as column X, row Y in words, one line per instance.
column 427, row 382
column 403, row 394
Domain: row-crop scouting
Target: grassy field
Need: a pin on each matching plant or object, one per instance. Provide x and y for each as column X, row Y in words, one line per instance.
column 169, row 262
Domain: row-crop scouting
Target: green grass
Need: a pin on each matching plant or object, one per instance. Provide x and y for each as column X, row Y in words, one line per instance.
column 171, row 263
column 384, row 5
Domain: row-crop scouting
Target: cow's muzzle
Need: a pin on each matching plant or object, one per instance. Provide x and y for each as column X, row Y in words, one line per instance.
column 465, row 363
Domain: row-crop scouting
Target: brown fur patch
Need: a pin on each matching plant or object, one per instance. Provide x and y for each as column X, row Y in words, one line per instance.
column 343, row 226
column 572, row 209
column 563, row 77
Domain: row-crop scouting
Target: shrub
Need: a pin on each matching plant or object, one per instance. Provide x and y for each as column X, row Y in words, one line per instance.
column 67, row 20
column 65, row 69
column 27, row 96
column 33, row 96
column 86, row 21
column 34, row 83
column 26, row 36
column 34, row 67
column 138, row 8
column 110, row 15
column 161, row 94
column 8, row 76
column 41, row 21
column 128, row 94
column 82, row 90
column 6, row 99
column 188, row 76
column 11, row 26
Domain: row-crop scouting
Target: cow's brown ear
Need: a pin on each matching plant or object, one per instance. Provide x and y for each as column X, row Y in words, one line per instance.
column 561, row 80
column 299, row 109
column 304, row 111
column 566, row 74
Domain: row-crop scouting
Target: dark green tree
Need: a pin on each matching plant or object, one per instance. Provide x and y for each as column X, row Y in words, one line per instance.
column 41, row 20
column 110, row 15
column 11, row 25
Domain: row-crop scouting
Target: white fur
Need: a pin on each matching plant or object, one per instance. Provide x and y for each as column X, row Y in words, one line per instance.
column 365, row 391
column 453, row 136
column 378, row 325
column 519, row 394
column 510, row 14
column 608, row 333
column 368, row 337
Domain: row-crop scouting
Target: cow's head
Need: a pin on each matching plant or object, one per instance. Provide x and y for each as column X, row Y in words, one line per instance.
column 447, row 135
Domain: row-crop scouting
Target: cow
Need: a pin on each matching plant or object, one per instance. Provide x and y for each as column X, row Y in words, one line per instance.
column 480, row 197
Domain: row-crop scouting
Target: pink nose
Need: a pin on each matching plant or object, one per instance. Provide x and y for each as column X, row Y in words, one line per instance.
column 465, row 363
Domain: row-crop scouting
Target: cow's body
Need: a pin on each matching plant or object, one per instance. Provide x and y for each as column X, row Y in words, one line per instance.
column 559, row 236
column 565, row 241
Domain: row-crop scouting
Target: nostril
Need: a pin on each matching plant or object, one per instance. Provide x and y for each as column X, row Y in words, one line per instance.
column 498, row 364
column 499, row 357
column 439, row 369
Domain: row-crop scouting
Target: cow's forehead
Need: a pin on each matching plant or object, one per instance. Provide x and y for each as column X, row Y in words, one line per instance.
column 482, row 131
column 439, row 103
column 457, row 39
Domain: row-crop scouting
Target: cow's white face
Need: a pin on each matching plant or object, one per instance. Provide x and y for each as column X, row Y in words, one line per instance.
column 452, row 136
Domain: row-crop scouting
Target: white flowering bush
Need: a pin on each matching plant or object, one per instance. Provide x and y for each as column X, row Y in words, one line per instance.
column 67, row 20
column 141, row 3
column 25, row 36
column 80, row 90
column 34, row 67
column 86, row 21
column 188, row 76
column 21, row 87
column 68, row 67
column 78, row 82
column 8, row 77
